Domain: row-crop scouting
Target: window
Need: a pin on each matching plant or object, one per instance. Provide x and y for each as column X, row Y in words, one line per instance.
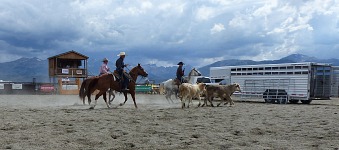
column 305, row 72
column 297, row 67
column 203, row 80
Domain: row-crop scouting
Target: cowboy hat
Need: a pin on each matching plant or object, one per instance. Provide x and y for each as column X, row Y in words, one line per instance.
column 181, row 63
column 121, row 54
column 105, row 59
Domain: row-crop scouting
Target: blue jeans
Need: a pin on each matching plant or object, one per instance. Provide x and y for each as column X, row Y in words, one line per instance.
column 124, row 78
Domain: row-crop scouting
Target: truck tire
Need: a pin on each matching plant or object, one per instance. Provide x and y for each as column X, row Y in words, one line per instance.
column 293, row 101
column 306, row 101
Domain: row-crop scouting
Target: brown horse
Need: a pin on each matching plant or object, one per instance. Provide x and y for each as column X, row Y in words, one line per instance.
column 84, row 87
column 103, row 84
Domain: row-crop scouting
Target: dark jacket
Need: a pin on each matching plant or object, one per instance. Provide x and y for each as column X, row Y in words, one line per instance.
column 119, row 64
column 180, row 72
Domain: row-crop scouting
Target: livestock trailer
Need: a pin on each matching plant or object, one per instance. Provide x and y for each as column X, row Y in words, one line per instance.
column 279, row 83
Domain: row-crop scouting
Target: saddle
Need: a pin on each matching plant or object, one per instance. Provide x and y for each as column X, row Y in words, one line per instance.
column 118, row 77
column 177, row 82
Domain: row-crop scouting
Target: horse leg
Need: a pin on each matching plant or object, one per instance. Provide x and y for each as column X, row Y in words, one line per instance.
column 105, row 98
column 88, row 98
column 170, row 96
column 83, row 100
column 96, row 99
column 111, row 93
column 133, row 97
column 125, row 94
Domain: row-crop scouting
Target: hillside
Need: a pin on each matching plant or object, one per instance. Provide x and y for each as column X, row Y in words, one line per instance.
column 25, row 69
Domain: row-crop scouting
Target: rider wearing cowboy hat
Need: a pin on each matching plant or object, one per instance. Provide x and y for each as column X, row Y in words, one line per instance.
column 104, row 68
column 180, row 72
column 120, row 69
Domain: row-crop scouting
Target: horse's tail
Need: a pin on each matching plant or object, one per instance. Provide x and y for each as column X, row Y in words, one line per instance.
column 82, row 89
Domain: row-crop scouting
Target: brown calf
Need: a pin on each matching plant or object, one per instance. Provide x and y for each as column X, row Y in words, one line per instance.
column 224, row 92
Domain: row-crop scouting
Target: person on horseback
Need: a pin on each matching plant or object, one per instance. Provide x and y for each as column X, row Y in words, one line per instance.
column 104, row 67
column 120, row 65
column 180, row 72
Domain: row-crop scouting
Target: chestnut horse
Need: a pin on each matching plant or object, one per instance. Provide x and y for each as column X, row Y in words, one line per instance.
column 102, row 83
column 84, row 87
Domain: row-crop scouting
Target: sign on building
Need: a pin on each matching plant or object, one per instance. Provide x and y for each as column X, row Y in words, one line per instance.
column 17, row 86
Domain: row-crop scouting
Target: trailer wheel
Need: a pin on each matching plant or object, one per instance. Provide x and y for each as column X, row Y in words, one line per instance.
column 281, row 101
column 294, row 101
column 306, row 101
column 268, row 100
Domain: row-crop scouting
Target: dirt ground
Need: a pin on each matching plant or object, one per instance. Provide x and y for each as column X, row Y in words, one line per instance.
column 63, row 122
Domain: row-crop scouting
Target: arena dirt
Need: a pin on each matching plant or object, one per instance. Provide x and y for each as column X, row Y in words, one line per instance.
column 63, row 122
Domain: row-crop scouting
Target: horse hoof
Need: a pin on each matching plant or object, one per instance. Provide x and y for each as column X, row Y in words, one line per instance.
column 121, row 104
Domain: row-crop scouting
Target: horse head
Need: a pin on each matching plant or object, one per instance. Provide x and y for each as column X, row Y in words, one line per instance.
column 138, row 70
column 194, row 72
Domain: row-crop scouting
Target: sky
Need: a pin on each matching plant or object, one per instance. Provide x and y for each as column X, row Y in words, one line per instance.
column 164, row 32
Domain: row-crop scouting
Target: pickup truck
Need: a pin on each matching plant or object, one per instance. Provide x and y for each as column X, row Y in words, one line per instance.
column 201, row 79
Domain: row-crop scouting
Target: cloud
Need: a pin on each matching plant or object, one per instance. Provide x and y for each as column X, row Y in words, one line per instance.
column 217, row 28
column 165, row 32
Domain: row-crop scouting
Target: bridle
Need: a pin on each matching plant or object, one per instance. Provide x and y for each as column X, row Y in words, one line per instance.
column 129, row 70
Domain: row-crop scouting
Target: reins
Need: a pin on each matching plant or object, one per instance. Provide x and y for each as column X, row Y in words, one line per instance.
column 133, row 73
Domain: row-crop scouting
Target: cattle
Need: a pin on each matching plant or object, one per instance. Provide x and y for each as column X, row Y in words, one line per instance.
column 224, row 92
column 189, row 91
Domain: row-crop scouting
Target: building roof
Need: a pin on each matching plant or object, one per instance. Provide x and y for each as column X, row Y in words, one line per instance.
column 69, row 54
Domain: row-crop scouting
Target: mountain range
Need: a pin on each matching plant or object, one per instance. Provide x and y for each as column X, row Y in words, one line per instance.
column 25, row 69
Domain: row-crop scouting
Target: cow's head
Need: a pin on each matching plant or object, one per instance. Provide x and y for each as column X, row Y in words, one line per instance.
column 202, row 86
column 236, row 87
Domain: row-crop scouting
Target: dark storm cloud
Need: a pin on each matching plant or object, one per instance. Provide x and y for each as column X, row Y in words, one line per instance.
column 165, row 32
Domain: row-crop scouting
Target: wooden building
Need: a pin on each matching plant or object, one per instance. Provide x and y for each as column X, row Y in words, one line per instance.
column 70, row 64
column 68, row 68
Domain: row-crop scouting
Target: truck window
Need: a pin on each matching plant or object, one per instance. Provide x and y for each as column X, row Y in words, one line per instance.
column 203, row 80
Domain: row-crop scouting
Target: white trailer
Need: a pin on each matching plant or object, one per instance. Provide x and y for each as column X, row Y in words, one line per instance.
column 279, row 83
column 335, row 82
